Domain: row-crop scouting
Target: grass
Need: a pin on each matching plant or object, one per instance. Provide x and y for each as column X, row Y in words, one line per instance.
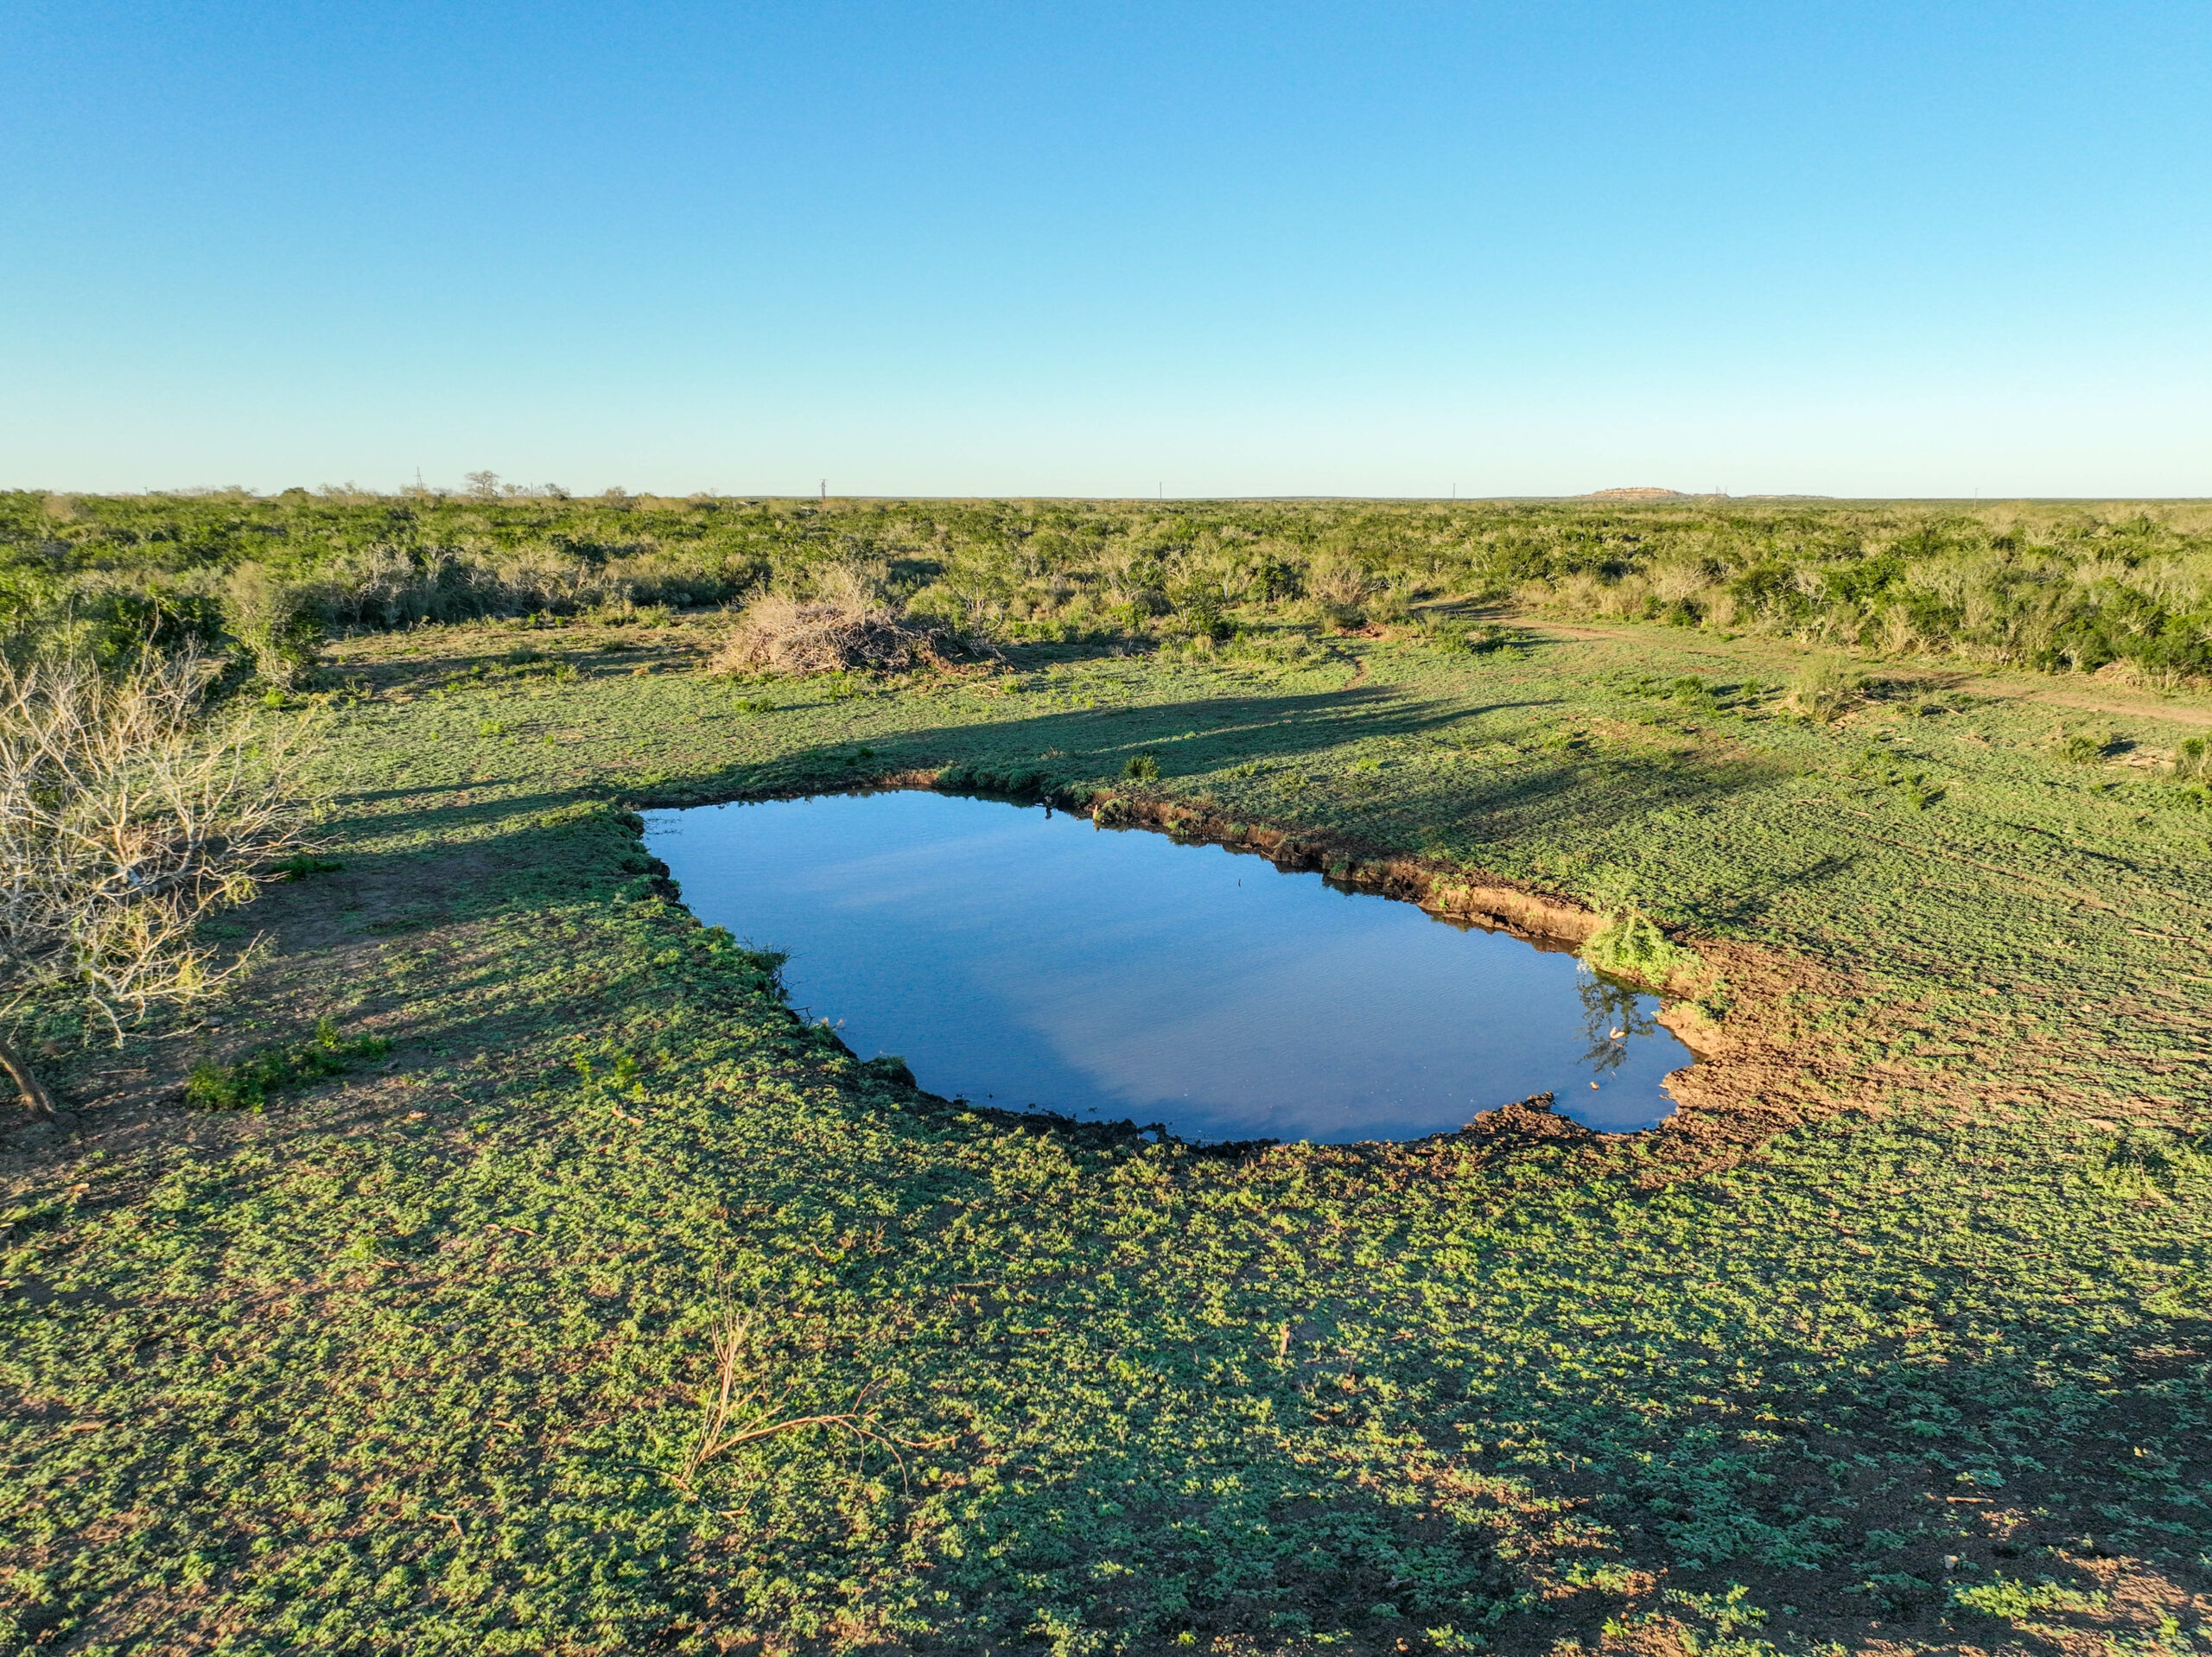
column 1912, row 1303
column 278, row 1067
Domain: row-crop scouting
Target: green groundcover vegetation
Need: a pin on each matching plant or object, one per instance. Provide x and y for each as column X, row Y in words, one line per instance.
column 508, row 1268
column 2076, row 585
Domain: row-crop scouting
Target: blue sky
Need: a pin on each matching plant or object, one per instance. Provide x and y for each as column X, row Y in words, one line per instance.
column 1207, row 248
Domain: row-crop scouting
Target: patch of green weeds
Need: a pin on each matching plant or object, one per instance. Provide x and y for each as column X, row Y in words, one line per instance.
column 247, row 1084
column 1630, row 945
column 2010, row 1598
column 2146, row 1163
column 1143, row 767
column 1451, row 634
column 619, row 1080
column 1694, row 693
column 2081, row 747
column 1883, row 770
column 303, row 866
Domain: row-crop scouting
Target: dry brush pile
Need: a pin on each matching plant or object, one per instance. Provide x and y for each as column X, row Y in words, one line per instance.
column 845, row 624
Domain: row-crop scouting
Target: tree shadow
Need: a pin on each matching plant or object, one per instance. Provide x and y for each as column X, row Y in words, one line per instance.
column 1271, row 758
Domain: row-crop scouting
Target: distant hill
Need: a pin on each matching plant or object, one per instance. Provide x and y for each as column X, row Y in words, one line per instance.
column 1635, row 494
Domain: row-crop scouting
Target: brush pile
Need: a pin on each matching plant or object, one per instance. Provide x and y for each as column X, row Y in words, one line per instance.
column 846, row 625
column 830, row 633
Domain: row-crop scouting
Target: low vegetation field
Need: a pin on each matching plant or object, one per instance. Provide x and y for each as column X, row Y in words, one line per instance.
column 504, row 1266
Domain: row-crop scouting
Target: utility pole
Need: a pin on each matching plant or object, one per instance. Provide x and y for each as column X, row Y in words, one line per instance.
column 825, row 491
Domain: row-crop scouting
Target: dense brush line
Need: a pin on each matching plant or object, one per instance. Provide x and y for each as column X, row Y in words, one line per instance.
column 2059, row 586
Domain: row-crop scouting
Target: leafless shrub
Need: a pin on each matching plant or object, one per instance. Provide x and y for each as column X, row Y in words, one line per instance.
column 845, row 624
column 124, row 821
column 1680, row 583
column 1340, row 583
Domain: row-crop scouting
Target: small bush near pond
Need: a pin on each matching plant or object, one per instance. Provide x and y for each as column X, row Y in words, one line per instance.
column 1143, row 768
column 247, row 1084
column 1630, row 945
column 889, row 1067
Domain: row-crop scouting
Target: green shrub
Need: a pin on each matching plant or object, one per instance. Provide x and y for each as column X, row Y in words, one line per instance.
column 2014, row 1600
column 247, row 1084
column 2079, row 747
column 1476, row 639
column 1694, row 693
column 2193, row 760
column 1879, row 768
column 891, row 1068
column 1142, row 767
column 1826, row 691
column 276, row 619
column 1630, row 945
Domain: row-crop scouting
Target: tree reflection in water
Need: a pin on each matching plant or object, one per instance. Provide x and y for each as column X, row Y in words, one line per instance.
column 1609, row 1018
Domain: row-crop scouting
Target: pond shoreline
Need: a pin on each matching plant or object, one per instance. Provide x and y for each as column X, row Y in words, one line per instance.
column 1005, row 952
column 1751, row 1078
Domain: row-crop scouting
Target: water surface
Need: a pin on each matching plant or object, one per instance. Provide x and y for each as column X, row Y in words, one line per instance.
column 1022, row 958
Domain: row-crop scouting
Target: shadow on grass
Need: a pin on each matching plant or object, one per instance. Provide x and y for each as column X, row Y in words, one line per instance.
column 548, row 885
column 1270, row 758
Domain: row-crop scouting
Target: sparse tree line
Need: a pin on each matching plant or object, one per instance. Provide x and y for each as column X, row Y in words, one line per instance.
column 2055, row 586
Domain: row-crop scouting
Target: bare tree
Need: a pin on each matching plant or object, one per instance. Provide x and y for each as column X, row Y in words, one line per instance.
column 125, row 818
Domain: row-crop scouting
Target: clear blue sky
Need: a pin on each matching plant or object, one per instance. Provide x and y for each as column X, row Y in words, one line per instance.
column 1217, row 249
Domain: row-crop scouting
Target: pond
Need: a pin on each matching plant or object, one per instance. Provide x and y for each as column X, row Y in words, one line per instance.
column 1022, row 958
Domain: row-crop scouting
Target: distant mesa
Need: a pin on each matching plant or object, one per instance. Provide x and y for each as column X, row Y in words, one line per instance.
column 1635, row 494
